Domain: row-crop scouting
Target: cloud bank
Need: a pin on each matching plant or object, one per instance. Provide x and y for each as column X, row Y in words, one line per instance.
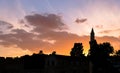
column 48, row 34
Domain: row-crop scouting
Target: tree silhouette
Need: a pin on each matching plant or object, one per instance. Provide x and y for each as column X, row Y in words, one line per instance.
column 117, row 53
column 98, row 55
column 105, row 49
column 77, row 50
column 102, row 50
column 41, row 52
column 54, row 53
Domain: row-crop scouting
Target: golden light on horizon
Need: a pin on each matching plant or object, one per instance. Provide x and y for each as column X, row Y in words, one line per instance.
column 33, row 26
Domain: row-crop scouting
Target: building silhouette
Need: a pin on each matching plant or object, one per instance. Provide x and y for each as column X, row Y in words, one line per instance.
column 100, row 63
column 92, row 41
column 92, row 35
column 92, row 38
column 55, row 63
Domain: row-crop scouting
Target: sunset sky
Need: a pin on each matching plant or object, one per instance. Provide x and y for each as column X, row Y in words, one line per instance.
column 27, row 26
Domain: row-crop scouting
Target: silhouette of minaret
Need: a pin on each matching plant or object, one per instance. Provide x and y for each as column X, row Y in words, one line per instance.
column 92, row 38
column 92, row 35
column 91, row 42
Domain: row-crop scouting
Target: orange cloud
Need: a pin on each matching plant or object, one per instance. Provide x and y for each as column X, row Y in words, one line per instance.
column 46, row 38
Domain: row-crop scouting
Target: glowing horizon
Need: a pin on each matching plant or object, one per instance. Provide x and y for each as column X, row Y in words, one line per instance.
column 51, row 25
